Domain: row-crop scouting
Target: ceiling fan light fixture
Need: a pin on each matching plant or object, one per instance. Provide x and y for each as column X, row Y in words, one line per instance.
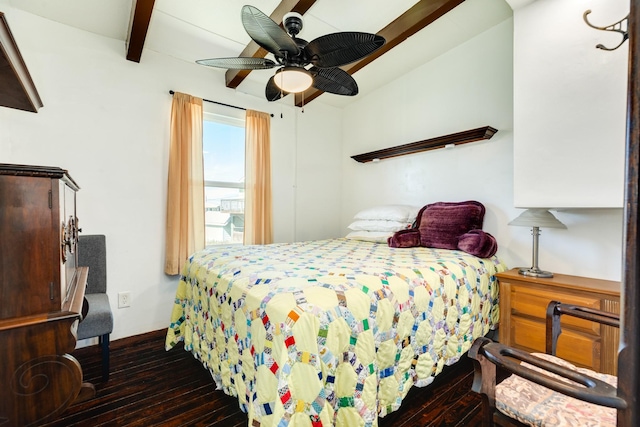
column 293, row 79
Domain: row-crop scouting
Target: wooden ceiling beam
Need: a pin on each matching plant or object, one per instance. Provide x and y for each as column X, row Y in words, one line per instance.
column 235, row 77
column 409, row 23
column 138, row 27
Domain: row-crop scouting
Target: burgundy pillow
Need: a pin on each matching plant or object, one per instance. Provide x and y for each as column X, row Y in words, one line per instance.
column 405, row 238
column 478, row 243
column 442, row 223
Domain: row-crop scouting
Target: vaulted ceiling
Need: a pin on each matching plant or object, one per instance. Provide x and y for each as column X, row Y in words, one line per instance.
column 416, row 31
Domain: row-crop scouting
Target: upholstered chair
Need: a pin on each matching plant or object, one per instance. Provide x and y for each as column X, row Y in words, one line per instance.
column 523, row 389
column 98, row 321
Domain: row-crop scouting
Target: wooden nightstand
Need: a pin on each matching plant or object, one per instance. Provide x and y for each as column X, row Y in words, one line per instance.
column 523, row 304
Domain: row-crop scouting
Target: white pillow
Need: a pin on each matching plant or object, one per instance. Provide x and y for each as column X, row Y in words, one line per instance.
column 378, row 225
column 390, row 213
column 370, row 236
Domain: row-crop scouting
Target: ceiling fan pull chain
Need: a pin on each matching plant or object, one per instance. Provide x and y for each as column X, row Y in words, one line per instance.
column 281, row 96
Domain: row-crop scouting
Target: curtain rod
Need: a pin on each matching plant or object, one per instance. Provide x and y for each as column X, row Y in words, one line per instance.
column 220, row 103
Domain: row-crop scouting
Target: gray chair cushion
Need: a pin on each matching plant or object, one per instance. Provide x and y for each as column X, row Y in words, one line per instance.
column 99, row 320
column 92, row 253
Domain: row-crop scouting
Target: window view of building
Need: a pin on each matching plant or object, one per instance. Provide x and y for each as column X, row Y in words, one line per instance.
column 223, row 146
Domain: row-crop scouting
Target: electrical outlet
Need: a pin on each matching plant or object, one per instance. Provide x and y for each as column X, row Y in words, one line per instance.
column 124, row 299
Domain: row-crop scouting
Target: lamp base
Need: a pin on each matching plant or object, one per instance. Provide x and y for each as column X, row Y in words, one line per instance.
column 535, row 272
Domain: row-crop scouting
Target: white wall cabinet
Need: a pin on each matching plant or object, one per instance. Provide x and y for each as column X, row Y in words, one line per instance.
column 569, row 105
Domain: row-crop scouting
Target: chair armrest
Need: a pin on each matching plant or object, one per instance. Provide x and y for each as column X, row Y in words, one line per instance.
column 485, row 352
column 556, row 309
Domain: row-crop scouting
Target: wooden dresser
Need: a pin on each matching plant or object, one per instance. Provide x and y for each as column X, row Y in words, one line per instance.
column 41, row 295
column 523, row 305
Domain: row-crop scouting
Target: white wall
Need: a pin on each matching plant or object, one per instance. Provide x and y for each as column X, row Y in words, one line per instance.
column 467, row 87
column 106, row 120
column 319, row 175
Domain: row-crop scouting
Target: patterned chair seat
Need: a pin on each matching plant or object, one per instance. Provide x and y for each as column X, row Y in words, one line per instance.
column 535, row 405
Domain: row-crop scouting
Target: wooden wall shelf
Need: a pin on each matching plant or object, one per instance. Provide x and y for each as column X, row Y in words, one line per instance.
column 472, row 135
column 16, row 87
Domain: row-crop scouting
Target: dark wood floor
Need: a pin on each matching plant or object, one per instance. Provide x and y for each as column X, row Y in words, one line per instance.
column 149, row 386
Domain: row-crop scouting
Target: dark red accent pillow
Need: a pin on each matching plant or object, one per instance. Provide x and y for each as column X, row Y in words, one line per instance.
column 441, row 224
column 478, row 243
column 405, row 238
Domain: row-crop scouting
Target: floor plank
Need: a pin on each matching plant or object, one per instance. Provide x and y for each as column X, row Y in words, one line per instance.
column 149, row 386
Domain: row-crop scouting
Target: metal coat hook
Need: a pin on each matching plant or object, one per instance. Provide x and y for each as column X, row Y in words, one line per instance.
column 622, row 27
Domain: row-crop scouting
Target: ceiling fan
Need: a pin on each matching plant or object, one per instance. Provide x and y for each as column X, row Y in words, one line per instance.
column 293, row 55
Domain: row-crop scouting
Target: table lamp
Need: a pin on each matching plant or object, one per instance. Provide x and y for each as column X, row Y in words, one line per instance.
column 536, row 218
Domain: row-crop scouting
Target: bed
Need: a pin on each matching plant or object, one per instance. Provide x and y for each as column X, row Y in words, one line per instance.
column 330, row 332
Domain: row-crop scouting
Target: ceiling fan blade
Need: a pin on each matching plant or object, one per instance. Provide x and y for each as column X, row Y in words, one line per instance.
column 334, row 80
column 238, row 63
column 273, row 92
column 269, row 35
column 337, row 49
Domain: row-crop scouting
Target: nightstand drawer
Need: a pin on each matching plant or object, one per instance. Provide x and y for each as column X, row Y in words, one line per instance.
column 533, row 302
column 581, row 349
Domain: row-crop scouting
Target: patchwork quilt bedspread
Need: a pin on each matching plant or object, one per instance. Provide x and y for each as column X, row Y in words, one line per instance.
column 331, row 332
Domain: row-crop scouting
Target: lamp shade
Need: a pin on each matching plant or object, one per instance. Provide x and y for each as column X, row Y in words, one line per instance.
column 537, row 218
column 293, row 79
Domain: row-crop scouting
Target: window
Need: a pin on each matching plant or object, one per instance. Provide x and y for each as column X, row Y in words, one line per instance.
column 223, row 157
